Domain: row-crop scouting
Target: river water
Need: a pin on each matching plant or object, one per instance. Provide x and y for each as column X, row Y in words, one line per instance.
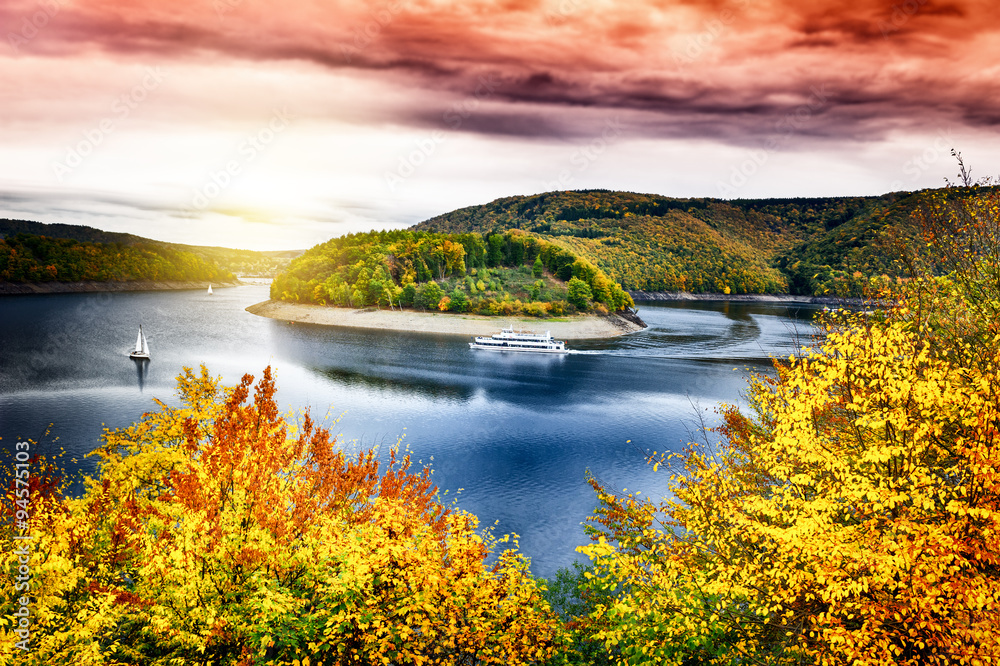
column 510, row 437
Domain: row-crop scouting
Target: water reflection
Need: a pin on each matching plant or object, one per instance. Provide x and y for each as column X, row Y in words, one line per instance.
column 141, row 370
column 405, row 386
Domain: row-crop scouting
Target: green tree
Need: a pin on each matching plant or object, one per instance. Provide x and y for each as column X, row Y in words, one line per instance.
column 538, row 268
column 584, row 270
column 494, row 255
column 578, row 293
column 459, row 301
column 408, row 295
column 428, row 296
column 423, row 272
column 536, row 289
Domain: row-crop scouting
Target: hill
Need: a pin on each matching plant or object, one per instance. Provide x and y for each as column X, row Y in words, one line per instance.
column 228, row 260
column 646, row 242
column 25, row 258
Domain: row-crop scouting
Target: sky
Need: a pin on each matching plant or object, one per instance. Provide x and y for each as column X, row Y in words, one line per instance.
column 277, row 125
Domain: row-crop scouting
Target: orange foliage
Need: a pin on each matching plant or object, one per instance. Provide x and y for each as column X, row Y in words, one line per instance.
column 221, row 533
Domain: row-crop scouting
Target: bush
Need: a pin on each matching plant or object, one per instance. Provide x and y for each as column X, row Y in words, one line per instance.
column 459, row 302
column 559, row 308
column 535, row 309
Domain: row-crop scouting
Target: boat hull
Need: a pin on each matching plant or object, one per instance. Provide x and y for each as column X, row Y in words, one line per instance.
column 139, row 355
column 522, row 350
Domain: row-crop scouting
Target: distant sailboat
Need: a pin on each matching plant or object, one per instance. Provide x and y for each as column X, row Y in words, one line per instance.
column 141, row 347
column 209, row 290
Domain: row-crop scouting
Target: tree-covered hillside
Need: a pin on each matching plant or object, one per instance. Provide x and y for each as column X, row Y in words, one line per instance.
column 834, row 245
column 507, row 273
column 27, row 258
column 241, row 262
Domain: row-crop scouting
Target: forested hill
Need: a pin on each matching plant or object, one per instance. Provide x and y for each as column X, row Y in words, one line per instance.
column 226, row 260
column 76, row 232
column 820, row 246
column 25, row 258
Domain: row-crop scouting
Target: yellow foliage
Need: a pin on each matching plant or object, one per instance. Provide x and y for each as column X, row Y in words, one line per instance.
column 854, row 521
column 218, row 533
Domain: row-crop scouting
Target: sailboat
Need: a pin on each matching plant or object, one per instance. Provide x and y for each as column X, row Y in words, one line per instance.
column 209, row 290
column 141, row 347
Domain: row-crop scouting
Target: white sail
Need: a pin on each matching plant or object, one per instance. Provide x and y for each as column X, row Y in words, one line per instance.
column 209, row 290
column 141, row 350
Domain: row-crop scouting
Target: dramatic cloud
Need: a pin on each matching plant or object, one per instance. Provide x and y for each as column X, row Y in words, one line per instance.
column 713, row 69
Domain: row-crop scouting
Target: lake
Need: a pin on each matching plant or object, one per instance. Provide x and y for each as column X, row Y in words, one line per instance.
column 510, row 437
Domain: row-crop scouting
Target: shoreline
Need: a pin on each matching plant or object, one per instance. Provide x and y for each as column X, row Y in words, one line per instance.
column 22, row 288
column 677, row 296
column 579, row 327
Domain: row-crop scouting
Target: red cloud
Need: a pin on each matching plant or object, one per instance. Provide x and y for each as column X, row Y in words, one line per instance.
column 737, row 70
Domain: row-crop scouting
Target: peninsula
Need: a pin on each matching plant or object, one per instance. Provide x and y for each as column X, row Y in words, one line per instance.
column 577, row 327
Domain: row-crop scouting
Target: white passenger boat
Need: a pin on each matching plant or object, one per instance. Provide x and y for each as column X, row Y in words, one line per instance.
column 519, row 341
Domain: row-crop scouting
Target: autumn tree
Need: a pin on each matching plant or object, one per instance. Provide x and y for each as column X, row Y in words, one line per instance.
column 220, row 532
column 853, row 516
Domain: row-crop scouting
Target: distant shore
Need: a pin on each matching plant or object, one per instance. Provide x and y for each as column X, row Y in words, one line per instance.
column 16, row 288
column 578, row 327
column 654, row 296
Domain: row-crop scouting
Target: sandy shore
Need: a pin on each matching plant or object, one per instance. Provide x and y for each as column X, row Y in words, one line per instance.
column 562, row 328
